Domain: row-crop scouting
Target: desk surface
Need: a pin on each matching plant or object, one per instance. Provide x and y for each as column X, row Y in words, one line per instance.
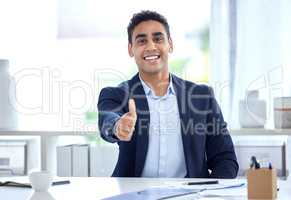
column 98, row 188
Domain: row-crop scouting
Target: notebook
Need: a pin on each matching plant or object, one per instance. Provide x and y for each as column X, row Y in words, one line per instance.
column 27, row 185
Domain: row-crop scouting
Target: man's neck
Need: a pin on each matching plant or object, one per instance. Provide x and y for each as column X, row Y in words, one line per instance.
column 158, row 82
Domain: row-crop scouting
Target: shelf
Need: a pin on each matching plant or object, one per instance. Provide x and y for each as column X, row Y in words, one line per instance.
column 48, row 139
column 46, row 133
column 260, row 131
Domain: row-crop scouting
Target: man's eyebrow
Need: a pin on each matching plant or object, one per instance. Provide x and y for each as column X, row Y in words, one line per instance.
column 157, row 34
column 141, row 35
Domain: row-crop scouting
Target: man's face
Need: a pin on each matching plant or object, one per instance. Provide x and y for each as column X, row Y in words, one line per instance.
column 150, row 47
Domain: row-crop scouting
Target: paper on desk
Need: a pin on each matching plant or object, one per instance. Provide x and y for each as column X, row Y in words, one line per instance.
column 155, row 193
column 233, row 193
column 234, row 187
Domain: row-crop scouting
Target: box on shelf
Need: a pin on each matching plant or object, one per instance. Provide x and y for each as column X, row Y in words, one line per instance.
column 85, row 160
column 73, row 160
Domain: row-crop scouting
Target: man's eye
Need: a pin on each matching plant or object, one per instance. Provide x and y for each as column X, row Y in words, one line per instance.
column 141, row 41
column 158, row 39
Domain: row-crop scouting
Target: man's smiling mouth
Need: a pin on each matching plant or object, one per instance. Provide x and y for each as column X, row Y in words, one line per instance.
column 152, row 57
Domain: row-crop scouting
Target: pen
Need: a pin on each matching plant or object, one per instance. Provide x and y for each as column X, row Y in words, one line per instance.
column 202, row 182
column 60, row 182
column 254, row 163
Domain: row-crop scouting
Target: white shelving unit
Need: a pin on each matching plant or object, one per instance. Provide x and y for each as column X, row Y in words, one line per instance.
column 48, row 140
column 48, row 143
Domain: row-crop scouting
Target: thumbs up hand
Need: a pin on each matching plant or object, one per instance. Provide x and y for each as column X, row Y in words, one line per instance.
column 125, row 125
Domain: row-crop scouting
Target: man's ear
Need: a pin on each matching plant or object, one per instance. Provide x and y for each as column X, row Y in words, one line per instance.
column 171, row 48
column 130, row 50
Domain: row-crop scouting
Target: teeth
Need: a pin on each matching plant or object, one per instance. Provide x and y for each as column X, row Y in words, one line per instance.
column 151, row 57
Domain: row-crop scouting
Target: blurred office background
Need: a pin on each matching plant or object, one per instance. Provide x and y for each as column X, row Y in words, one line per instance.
column 63, row 52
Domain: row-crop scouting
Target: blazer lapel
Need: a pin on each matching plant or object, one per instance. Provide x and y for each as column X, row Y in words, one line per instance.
column 142, row 123
column 182, row 99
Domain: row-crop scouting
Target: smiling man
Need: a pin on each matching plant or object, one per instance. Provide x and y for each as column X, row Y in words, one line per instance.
column 164, row 126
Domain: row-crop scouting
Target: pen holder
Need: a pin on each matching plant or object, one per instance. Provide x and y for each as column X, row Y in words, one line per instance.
column 262, row 183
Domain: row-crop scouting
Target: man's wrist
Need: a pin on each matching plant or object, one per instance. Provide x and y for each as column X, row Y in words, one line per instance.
column 115, row 128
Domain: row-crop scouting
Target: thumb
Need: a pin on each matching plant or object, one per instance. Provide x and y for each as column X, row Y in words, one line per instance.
column 131, row 107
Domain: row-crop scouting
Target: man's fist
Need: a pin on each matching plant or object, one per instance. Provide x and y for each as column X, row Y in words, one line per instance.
column 125, row 125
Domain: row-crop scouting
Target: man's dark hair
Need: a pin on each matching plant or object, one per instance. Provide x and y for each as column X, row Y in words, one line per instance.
column 146, row 16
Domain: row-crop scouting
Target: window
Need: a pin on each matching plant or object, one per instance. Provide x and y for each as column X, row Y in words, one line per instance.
column 62, row 53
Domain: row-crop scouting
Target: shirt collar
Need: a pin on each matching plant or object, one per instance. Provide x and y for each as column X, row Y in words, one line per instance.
column 148, row 90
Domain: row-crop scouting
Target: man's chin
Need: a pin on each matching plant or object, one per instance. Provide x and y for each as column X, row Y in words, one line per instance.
column 150, row 70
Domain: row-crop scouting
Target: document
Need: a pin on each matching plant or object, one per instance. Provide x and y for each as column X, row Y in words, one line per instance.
column 155, row 193
column 171, row 190
column 228, row 188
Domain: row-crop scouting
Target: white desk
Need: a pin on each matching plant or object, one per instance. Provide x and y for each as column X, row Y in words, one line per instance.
column 98, row 188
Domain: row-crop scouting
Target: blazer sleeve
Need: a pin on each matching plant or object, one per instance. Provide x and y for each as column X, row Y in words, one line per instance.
column 221, row 158
column 110, row 109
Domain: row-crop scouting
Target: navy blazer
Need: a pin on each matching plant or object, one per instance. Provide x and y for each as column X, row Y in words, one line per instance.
column 207, row 145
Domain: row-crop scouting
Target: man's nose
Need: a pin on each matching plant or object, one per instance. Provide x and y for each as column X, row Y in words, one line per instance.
column 151, row 45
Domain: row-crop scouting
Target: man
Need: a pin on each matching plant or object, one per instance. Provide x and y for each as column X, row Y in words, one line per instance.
column 164, row 126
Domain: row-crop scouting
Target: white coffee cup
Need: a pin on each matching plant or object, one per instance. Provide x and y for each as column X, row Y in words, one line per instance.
column 41, row 180
column 41, row 196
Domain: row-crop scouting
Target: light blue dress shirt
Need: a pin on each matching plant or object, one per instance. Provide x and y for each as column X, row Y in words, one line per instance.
column 165, row 156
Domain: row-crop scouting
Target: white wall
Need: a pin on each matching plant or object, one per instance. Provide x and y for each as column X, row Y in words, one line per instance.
column 263, row 47
column 259, row 53
column 28, row 30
